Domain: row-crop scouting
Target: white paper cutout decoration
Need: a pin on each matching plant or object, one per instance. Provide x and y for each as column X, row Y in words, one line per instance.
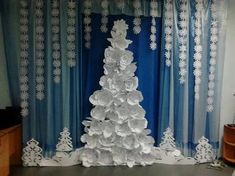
column 39, row 52
column 183, row 39
column 65, row 141
column 213, row 57
column 71, row 30
column 168, row 26
column 24, row 61
column 168, row 141
column 120, row 3
column 137, row 14
column 32, row 153
column 87, row 22
column 116, row 133
column 104, row 18
column 198, row 48
column 153, row 14
column 55, row 22
column 204, row 151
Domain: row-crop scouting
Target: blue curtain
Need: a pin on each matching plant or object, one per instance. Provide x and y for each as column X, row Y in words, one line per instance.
column 166, row 101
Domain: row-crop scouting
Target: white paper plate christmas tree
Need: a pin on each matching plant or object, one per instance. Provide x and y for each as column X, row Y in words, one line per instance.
column 116, row 133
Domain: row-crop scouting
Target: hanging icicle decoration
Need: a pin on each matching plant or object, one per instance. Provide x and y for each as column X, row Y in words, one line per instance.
column 197, row 48
column 168, row 31
column 183, row 36
column 153, row 14
column 87, row 22
column 213, row 56
column 55, row 21
column 137, row 19
column 39, row 52
column 71, row 29
column 104, row 19
column 24, row 46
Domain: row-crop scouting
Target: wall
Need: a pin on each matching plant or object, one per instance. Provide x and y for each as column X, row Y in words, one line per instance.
column 4, row 90
column 228, row 100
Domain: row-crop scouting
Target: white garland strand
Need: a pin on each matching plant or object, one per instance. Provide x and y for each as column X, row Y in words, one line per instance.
column 55, row 21
column 104, row 19
column 198, row 48
column 213, row 57
column 87, row 22
column 168, row 31
column 39, row 50
column 183, row 34
column 153, row 14
column 120, row 4
column 71, row 29
column 24, row 45
column 137, row 19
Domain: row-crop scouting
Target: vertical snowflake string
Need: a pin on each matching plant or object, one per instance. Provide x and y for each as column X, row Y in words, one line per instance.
column 55, row 21
column 24, row 46
column 71, row 29
column 204, row 151
column 104, row 12
column 198, row 48
column 87, row 22
column 65, row 141
column 213, row 56
column 183, row 35
column 153, row 14
column 120, row 3
column 32, row 154
column 137, row 19
column 168, row 141
column 168, row 26
column 39, row 50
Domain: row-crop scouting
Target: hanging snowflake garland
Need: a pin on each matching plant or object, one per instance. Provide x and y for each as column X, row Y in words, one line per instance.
column 197, row 48
column 137, row 19
column 55, row 21
column 39, row 50
column 153, row 14
column 87, row 22
column 213, row 56
column 120, row 3
column 168, row 30
column 24, row 46
column 183, row 34
column 104, row 12
column 71, row 29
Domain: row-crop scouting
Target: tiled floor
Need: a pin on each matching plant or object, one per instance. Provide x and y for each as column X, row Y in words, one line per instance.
column 154, row 170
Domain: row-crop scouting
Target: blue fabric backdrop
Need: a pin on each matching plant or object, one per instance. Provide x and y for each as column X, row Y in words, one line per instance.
column 167, row 103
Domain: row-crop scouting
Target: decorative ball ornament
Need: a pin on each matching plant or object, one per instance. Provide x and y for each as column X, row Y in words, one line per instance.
column 153, row 13
column 197, row 48
column 24, row 61
column 87, row 22
column 183, row 36
column 137, row 14
column 71, row 30
column 104, row 18
column 213, row 57
column 55, row 21
column 168, row 23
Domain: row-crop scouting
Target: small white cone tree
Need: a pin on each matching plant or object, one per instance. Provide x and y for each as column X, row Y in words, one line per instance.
column 116, row 133
column 168, row 142
column 65, row 141
column 32, row 153
column 204, row 151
